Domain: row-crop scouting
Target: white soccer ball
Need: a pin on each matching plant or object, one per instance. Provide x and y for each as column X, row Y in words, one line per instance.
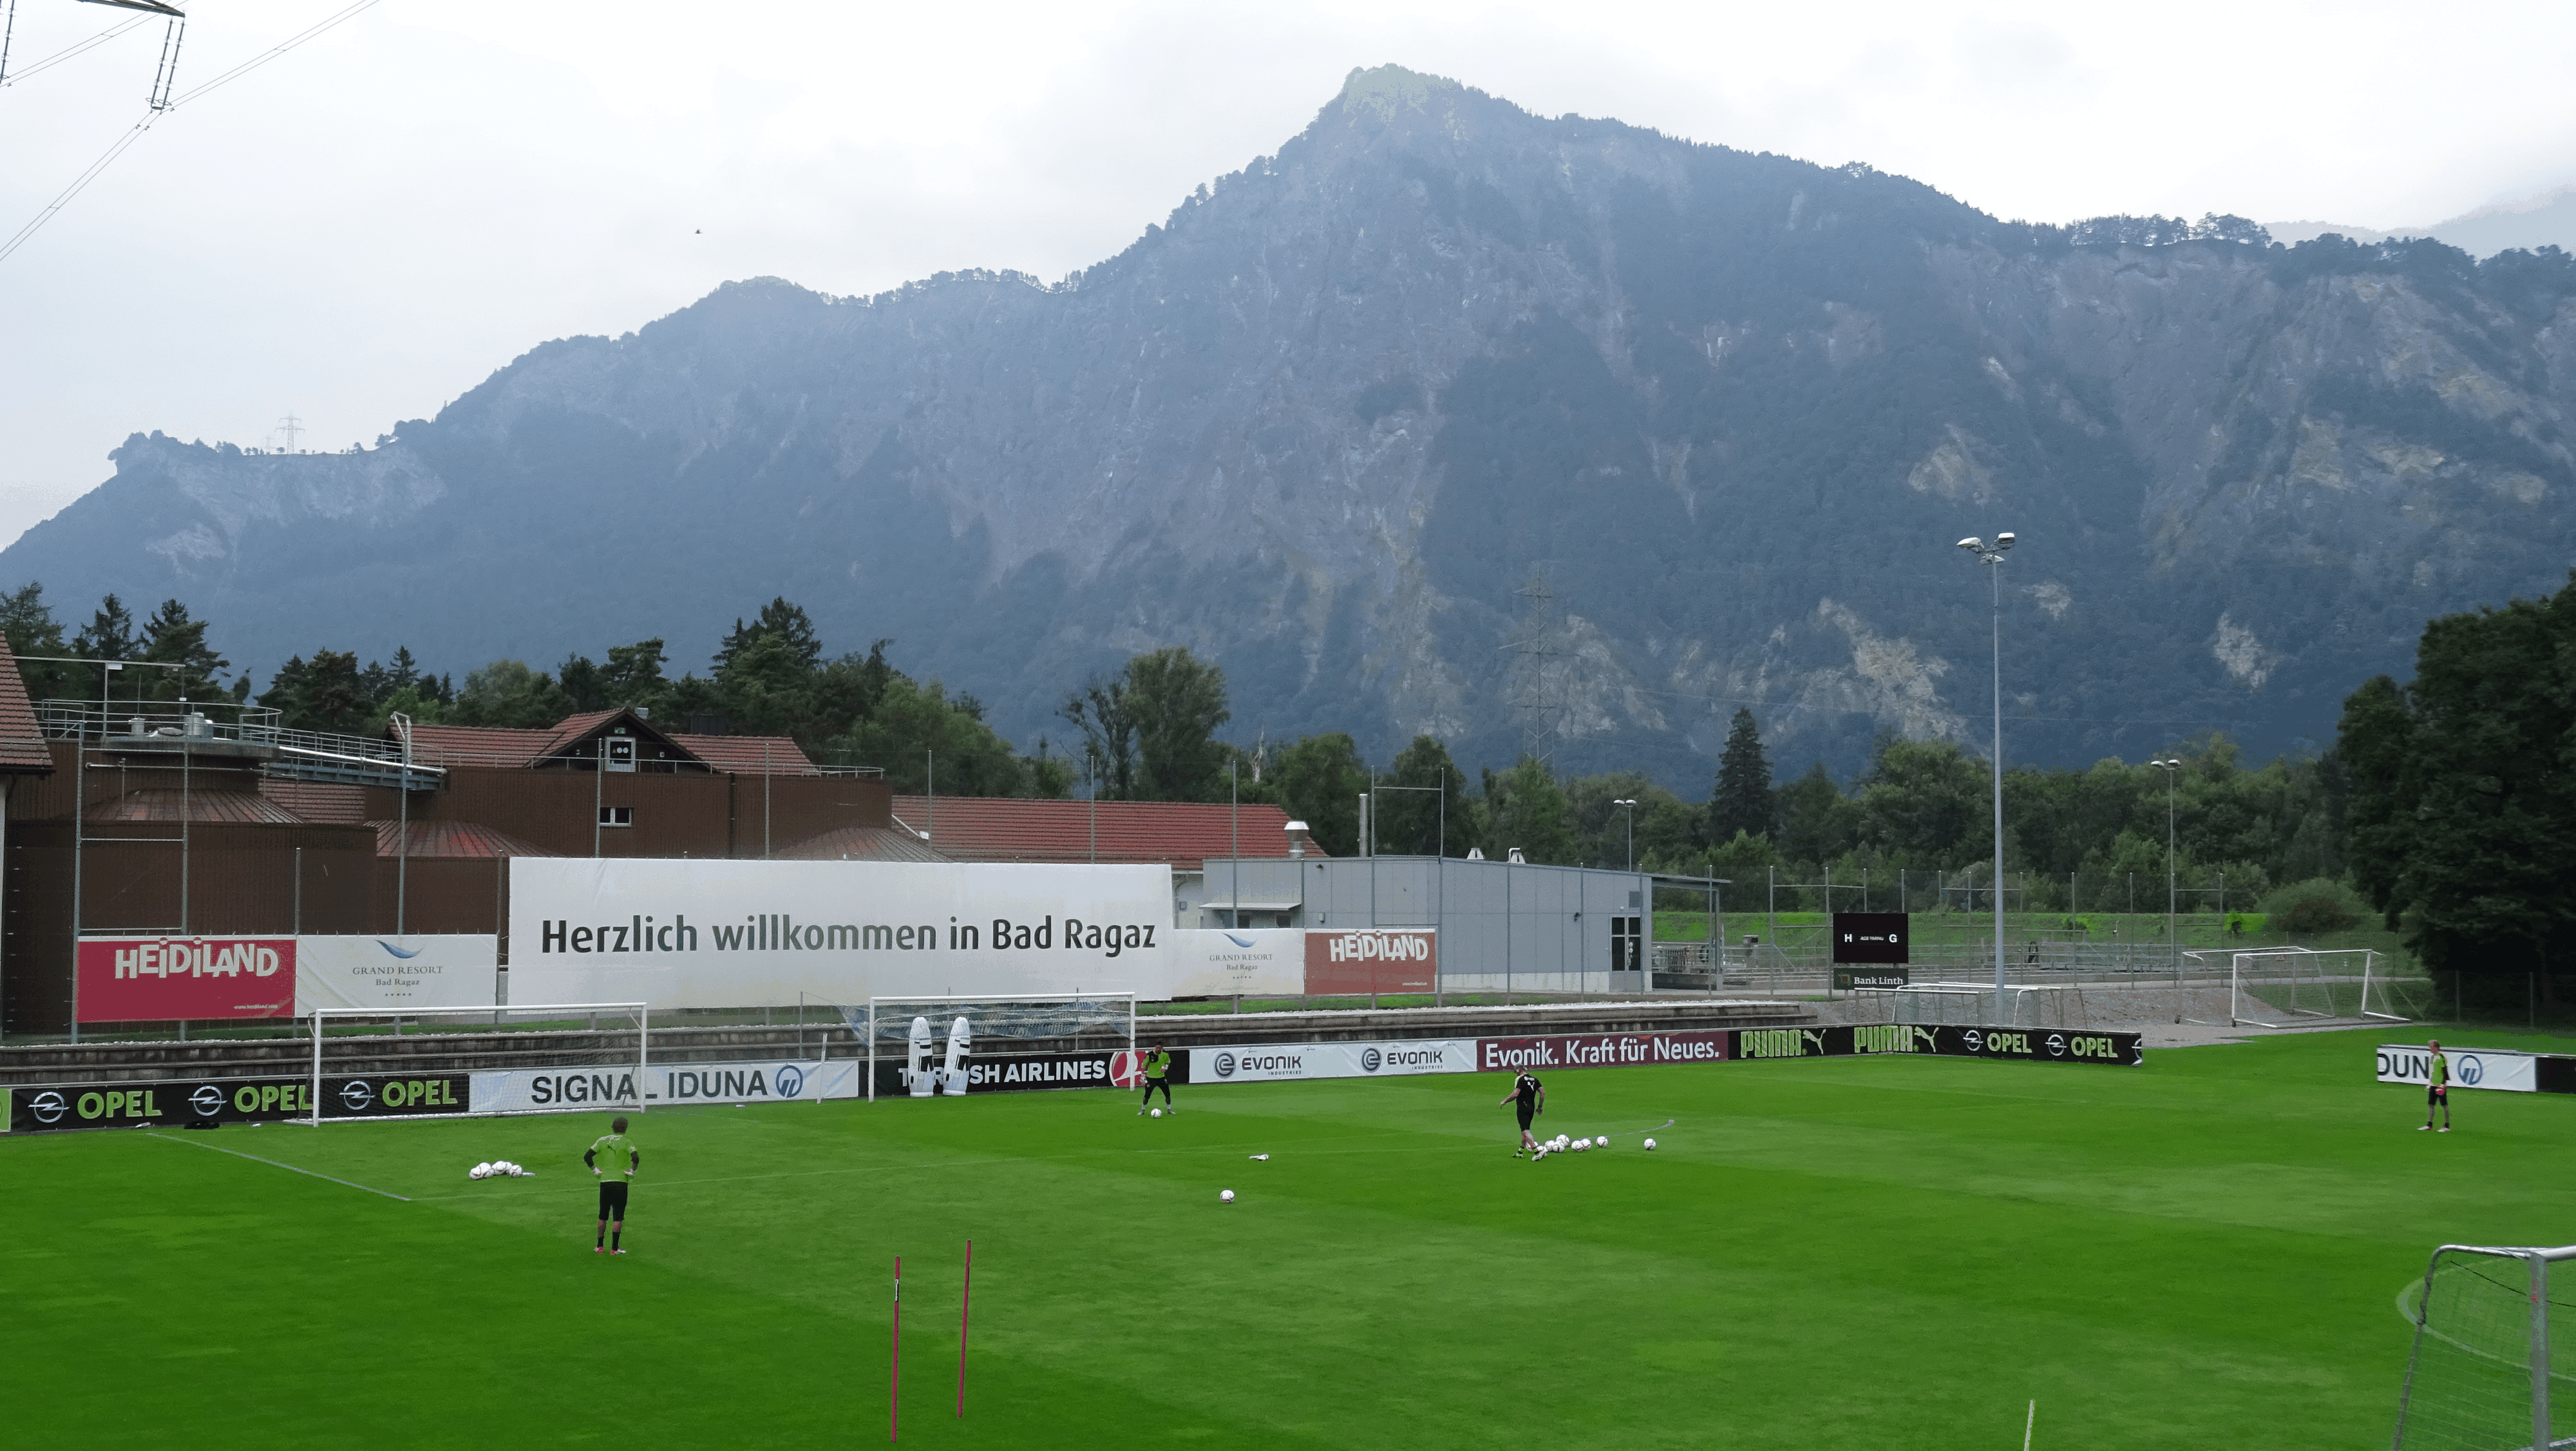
column 1601, row 1143
column 1225, row 1196
column 1650, row 1143
column 513, row 1170
column 480, row 1171
column 1582, row 1144
column 1158, row 1113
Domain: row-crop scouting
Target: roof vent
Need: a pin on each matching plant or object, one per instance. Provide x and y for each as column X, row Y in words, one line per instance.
column 1475, row 853
column 1298, row 836
column 1517, row 859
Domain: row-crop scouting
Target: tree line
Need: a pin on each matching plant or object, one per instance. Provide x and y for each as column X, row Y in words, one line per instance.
column 1919, row 814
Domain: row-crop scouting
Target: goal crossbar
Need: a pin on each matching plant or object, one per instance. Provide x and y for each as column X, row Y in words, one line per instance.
column 521, row 1011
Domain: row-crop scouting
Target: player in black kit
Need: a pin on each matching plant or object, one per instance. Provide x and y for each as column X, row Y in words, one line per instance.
column 1532, row 1100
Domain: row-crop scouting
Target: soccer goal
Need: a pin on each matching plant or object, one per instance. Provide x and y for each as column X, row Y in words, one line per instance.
column 2280, row 987
column 446, row 1062
column 942, row 1046
column 2490, row 1351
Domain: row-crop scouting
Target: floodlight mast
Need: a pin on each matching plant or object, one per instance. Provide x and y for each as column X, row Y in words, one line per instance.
column 2171, row 767
column 1993, row 559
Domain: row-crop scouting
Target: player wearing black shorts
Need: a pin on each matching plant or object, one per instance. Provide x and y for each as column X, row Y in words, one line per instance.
column 613, row 1152
column 2437, row 1088
column 1158, row 1074
column 1531, row 1099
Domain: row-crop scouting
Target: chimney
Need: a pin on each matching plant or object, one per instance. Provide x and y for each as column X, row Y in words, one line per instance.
column 1298, row 836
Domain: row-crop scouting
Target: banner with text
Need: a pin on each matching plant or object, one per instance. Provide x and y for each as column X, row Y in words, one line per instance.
column 1027, row 1072
column 179, row 1102
column 1282, row 1062
column 393, row 974
column 2489, row 1068
column 151, row 979
column 561, row 1090
column 1252, row 961
column 1372, row 960
column 706, row 934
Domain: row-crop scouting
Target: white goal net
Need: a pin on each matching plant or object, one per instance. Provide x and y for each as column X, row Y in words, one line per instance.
column 445, row 1062
column 2282, row 987
column 924, row 1047
column 2492, row 1355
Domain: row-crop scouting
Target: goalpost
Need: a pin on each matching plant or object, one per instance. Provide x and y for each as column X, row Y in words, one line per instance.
column 2488, row 1354
column 373, row 1055
column 939, row 1046
column 2305, row 983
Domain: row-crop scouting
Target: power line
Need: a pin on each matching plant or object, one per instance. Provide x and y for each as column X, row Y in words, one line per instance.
column 58, row 57
column 162, row 105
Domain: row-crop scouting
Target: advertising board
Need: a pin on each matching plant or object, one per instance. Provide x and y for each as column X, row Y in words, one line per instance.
column 695, row 934
column 1880, row 937
column 143, row 979
column 1281, row 1062
column 1372, row 960
column 180, row 1102
column 1028, row 1072
column 2499, row 1070
column 393, row 974
column 1262, row 961
column 557, row 1090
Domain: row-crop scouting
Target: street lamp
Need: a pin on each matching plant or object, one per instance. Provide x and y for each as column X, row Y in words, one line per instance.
column 1631, row 808
column 1993, row 558
column 2171, row 768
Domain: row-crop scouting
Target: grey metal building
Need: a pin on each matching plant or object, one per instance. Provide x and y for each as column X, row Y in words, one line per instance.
column 1502, row 924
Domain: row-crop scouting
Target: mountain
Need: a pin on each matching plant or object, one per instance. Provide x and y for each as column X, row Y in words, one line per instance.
column 2545, row 220
column 1453, row 418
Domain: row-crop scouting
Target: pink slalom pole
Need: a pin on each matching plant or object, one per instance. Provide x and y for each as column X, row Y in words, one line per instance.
column 894, row 1378
column 965, row 1298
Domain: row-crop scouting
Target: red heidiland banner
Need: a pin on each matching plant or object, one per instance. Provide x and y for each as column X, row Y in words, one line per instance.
column 1601, row 1050
column 145, row 979
column 1372, row 960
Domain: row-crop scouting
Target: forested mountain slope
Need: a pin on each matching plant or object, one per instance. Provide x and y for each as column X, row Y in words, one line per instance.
column 1328, row 422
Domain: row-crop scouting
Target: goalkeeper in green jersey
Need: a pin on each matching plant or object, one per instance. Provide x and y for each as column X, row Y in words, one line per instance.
column 613, row 1158
column 2437, row 1088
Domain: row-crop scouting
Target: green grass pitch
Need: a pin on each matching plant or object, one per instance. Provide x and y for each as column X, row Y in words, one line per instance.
column 2202, row 1252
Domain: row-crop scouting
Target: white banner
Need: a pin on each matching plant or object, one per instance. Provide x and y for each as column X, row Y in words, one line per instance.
column 560, row 1090
column 2470, row 1067
column 1275, row 1062
column 1222, row 963
column 712, row 934
column 394, row 973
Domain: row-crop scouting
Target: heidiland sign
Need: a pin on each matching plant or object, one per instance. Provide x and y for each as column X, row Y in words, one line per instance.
column 1372, row 960
column 144, row 979
column 702, row 934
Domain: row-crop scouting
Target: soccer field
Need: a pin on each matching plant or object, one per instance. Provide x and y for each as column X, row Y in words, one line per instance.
column 2205, row 1251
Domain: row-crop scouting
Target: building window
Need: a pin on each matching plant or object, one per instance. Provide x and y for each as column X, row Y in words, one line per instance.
column 617, row 816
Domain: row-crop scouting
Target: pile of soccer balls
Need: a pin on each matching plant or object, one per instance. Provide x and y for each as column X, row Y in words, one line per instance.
column 1561, row 1144
column 494, row 1170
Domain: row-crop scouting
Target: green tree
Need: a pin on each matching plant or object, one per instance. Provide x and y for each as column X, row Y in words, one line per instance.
column 1411, row 822
column 1817, row 822
column 923, row 738
column 1319, row 781
column 1524, row 808
column 506, row 693
column 32, row 630
column 322, row 694
column 172, row 638
column 1923, row 802
column 1741, row 800
column 786, row 624
column 1177, row 702
column 2463, row 788
column 1098, row 710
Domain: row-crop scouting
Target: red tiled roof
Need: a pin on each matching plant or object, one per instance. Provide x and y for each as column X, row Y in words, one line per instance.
column 22, row 744
column 451, row 839
column 162, row 803
column 862, row 844
column 320, row 802
column 445, row 745
column 1183, row 833
column 749, row 755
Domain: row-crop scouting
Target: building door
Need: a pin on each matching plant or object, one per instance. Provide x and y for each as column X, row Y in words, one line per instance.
column 1627, row 943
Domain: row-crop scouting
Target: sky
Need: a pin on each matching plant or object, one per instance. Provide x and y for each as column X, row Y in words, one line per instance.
column 367, row 226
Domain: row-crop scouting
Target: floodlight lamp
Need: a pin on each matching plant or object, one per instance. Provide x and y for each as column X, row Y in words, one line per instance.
column 2003, row 541
column 1972, row 542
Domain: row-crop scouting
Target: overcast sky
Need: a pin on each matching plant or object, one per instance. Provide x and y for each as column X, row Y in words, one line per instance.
column 363, row 229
